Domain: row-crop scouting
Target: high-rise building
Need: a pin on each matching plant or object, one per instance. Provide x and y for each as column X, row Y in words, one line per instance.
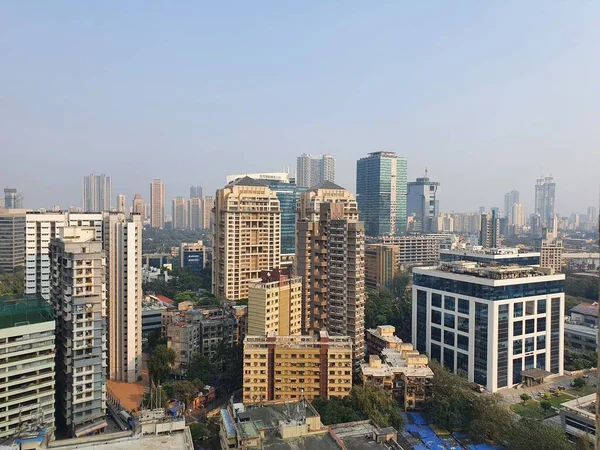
column 500, row 325
column 592, row 214
column 196, row 221
column 27, row 360
column 208, row 203
column 275, row 304
column 97, row 193
column 296, row 367
column 312, row 170
column 12, row 199
column 330, row 253
column 551, row 248
column 40, row 228
column 147, row 211
column 490, row 226
column 381, row 180
column 247, row 236
column 545, row 190
column 123, row 247
column 381, row 265
column 12, row 240
column 196, row 191
column 157, row 204
column 419, row 250
column 121, row 203
column 138, row 206
column 192, row 256
column 423, row 204
column 79, row 298
column 180, row 213
column 288, row 195
column 510, row 198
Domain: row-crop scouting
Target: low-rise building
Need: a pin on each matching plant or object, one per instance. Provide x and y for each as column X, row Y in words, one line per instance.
column 296, row 367
column 184, row 339
column 152, row 315
column 581, row 338
column 397, row 367
column 578, row 417
column 584, row 314
column 27, row 371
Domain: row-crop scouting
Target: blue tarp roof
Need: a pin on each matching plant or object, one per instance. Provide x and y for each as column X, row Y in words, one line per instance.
column 419, row 447
column 426, row 432
column 418, row 418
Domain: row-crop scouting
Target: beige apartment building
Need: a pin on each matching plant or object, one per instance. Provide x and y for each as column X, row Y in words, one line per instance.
column 330, row 253
column 551, row 249
column 275, row 304
column 180, row 213
column 295, row 367
column 157, row 204
column 422, row 250
column 208, row 203
column 138, row 206
column 247, row 236
column 381, row 265
column 196, row 220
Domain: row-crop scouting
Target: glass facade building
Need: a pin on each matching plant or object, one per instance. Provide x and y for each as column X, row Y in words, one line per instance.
column 381, row 183
column 490, row 324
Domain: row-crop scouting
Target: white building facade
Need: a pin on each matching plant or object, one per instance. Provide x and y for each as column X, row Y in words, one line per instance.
column 491, row 323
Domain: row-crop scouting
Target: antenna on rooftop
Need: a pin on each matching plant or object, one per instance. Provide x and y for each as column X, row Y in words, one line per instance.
column 425, row 172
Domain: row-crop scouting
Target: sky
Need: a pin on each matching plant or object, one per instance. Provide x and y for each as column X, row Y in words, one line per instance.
column 487, row 95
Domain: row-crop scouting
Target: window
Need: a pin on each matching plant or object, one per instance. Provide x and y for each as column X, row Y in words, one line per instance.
column 436, row 300
column 541, row 324
column 449, row 303
column 530, row 326
column 530, row 307
column 436, row 334
column 449, row 338
column 541, row 306
column 436, row 317
column 541, row 342
column 449, row 320
column 463, row 324
column 518, row 328
column 518, row 310
column 517, row 346
column 436, row 352
column 464, row 306
column 528, row 344
column 463, row 342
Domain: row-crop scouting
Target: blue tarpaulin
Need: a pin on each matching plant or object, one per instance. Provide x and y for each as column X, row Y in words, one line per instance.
column 426, row 432
column 417, row 418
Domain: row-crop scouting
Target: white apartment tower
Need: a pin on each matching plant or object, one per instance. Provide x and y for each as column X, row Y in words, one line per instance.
column 157, row 204
column 97, row 193
column 312, row 170
column 123, row 247
column 501, row 325
column 78, row 296
column 180, row 213
column 247, row 236
column 121, row 203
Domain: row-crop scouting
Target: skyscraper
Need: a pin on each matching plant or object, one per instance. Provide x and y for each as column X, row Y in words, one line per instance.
column 246, row 236
column 196, row 191
column 510, row 198
column 122, row 243
column 157, row 204
column 79, row 300
column 12, row 199
column 545, row 190
column 312, row 170
column 381, row 180
column 180, row 213
column 138, row 206
column 330, row 254
column 196, row 221
column 12, row 240
column 423, row 203
column 490, row 227
column 97, row 193
column 121, row 203
column 207, row 215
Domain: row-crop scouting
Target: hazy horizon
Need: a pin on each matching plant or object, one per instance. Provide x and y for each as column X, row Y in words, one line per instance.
column 487, row 96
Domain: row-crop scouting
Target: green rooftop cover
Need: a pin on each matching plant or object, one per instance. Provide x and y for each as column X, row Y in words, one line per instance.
column 24, row 310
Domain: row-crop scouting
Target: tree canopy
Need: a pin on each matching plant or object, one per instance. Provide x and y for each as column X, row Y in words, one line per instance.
column 160, row 363
column 201, row 368
column 391, row 307
column 12, row 284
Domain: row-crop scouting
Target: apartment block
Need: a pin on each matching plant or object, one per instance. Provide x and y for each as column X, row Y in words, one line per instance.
column 208, row 204
column 551, row 250
column 295, row 367
column 180, row 213
column 12, row 239
column 500, row 325
column 247, row 236
column 196, row 219
column 26, row 364
column 123, row 246
column 418, row 250
column 381, row 265
column 193, row 256
column 184, row 339
column 97, row 193
column 78, row 266
column 397, row 367
column 275, row 304
column 157, row 204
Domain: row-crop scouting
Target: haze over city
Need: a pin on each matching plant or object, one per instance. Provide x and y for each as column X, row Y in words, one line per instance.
column 488, row 96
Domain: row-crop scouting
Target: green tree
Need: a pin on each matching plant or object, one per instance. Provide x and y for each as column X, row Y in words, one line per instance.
column 201, row 368
column 160, row 363
column 491, row 421
column 187, row 391
column 229, row 361
column 528, row 434
column 12, row 284
column 545, row 405
column 377, row 405
column 199, row 431
column 579, row 382
column 524, row 397
column 335, row 410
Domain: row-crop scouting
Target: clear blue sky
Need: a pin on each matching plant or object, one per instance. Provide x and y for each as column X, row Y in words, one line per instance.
column 485, row 94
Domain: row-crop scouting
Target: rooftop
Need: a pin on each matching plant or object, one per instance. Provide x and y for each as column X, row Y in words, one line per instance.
column 584, row 406
column 246, row 181
column 271, row 415
column 585, row 310
column 497, row 253
column 175, row 440
column 491, row 272
column 591, row 332
column 24, row 310
column 328, row 185
column 359, row 435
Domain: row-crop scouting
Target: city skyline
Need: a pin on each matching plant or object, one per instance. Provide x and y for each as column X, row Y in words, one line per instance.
column 453, row 112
